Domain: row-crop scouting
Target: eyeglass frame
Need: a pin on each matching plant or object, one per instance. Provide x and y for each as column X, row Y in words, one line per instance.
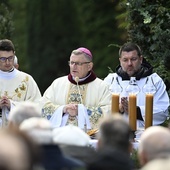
column 78, row 63
column 4, row 59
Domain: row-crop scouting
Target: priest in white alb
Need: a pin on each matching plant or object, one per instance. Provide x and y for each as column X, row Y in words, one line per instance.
column 80, row 98
column 15, row 85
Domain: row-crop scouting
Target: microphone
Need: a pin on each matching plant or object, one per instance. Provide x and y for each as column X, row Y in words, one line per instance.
column 77, row 79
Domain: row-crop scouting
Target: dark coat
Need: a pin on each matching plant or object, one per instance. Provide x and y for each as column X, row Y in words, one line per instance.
column 53, row 159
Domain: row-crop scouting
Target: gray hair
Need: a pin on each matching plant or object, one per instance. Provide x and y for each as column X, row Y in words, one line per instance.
column 39, row 129
column 78, row 52
column 23, row 111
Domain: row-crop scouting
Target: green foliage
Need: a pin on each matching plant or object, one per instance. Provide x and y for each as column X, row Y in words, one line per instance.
column 6, row 26
column 100, row 29
column 134, row 157
column 53, row 32
column 19, row 36
column 149, row 27
column 57, row 27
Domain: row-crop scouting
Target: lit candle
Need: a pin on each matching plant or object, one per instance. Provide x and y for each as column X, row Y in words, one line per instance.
column 132, row 111
column 115, row 103
column 148, row 110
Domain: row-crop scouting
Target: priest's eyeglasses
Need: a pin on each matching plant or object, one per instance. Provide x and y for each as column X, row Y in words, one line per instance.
column 4, row 59
column 71, row 63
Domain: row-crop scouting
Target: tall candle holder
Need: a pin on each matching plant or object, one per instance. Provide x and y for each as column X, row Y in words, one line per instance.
column 149, row 89
column 116, row 89
column 132, row 89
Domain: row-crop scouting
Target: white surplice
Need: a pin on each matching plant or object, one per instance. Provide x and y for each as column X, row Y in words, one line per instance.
column 17, row 86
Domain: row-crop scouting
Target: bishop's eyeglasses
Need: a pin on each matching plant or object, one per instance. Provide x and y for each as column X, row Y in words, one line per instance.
column 70, row 63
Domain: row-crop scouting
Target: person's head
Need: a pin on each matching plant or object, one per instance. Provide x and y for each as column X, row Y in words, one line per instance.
column 16, row 65
column 157, row 164
column 70, row 135
column 23, row 111
column 130, row 58
column 154, row 143
column 80, row 62
column 115, row 132
column 39, row 129
column 17, row 150
column 7, row 53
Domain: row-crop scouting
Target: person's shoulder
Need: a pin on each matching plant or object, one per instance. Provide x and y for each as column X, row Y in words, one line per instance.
column 101, row 83
column 73, row 162
column 51, row 153
column 99, row 80
column 22, row 73
column 108, row 79
column 60, row 79
column 156, row 77
column 110, row 76
column 77, row 151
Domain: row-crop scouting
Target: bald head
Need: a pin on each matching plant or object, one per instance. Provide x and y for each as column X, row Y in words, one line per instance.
column 14, row 150
column 158, row 164
column 154, row 143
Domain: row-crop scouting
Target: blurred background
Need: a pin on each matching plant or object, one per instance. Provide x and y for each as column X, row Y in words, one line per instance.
column 45, row 33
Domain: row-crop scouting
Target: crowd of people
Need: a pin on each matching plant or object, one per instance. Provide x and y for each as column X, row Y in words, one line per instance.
column 50, row 131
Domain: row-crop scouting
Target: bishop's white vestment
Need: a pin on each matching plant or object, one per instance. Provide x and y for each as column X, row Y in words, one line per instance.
column 93, row 99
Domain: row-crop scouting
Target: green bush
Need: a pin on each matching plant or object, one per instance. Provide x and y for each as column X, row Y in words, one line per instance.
column 6, row 26
column 148, row 26
column 134, row 158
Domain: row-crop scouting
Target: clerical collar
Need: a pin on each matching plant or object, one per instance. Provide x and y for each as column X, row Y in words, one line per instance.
column 82, row 79
column 11, row 69
column 89, row 78
column 8, row 74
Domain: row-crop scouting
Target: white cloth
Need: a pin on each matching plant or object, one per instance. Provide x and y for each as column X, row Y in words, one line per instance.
column 83, row 119
column 4, row 118
column 58, row 119
column 160, row 102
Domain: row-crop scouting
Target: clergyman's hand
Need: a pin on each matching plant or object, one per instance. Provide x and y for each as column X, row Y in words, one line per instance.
column 5, row 102
column 71, row 109
column 124, row 105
